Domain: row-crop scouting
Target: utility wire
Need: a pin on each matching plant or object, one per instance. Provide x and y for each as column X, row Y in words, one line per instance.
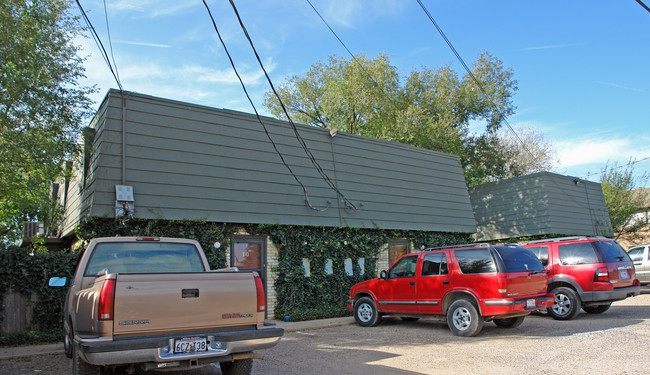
column 268, row 135
column 110, row 42
column 643, row 5
column 311, row 157
column 99, row 43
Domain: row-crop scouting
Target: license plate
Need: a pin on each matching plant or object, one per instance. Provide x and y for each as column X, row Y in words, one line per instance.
column 530, row 303
column 623, row 275
column 190, row 345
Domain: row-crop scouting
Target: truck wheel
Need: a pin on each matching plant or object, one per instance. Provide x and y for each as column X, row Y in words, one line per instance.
column 598, row 309
column 463, row 318
column 365, row 312
column 67, row 343
column 567, row 304
column 238, row 367
column 80, row 367
column 509, row 322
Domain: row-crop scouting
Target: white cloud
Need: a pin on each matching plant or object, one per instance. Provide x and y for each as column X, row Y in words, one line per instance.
column 573, row 153
column 349, row 13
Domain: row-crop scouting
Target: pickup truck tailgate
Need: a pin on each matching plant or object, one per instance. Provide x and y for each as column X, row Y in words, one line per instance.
column 163, row 303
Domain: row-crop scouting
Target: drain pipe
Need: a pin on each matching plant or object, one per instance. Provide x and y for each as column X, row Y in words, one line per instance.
column 123, row 137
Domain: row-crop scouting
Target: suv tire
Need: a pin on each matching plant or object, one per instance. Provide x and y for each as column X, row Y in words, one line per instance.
column 509, row 322
column 597, row 309
column 365, row 312
column 567, row 304
column 238, row 367
column 463, row 318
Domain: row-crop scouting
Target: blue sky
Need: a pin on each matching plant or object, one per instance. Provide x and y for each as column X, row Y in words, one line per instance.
column 583, row 67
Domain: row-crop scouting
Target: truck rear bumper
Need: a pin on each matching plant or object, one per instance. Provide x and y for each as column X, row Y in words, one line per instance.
column 611, row 295
column 159, row 350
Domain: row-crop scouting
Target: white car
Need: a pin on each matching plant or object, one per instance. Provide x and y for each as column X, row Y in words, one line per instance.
column 641, row 257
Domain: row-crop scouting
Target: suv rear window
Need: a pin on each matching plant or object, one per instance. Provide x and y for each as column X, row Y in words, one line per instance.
column 611, row 252
column 475, row 261
column 577, row 253
column 541, row 252
column 518, row 259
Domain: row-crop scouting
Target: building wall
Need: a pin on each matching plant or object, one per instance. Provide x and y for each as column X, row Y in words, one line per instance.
column 539, row 204
column 191, row 162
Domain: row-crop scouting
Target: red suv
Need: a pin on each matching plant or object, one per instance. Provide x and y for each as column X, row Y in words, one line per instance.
column 585, row 272
column 464, row 285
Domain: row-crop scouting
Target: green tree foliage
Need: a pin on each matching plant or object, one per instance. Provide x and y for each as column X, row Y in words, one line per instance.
column 41, row 107
column 624, row 199
column 430, row 108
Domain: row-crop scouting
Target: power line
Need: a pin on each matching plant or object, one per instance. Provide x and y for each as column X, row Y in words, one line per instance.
column 110, row 42
column 311, row 157
column 643, row 5
column 100, row 45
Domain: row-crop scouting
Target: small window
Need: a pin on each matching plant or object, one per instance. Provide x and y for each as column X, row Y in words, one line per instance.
column 636, row 254
column 541, row 252
column 348, row 267
column 362, row 265
column 405, row 267
column 473, row 261
column 435, row 264
column 306, row 267
column 329, row 267
column 577, row 253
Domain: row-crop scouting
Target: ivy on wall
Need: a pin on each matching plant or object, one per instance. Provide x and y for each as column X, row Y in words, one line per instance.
column 320, row 295
column 28, row 274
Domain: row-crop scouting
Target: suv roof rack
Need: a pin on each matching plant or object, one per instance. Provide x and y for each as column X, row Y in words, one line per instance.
column 478, row 244
column 560, row 239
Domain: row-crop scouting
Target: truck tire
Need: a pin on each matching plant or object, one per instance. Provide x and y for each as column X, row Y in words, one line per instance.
column 67, row 342
column 80, row 367
column 463, row 318
column 238, row 367
column 509, row 322
column 567, row 304
column 365, row 312
column 597, row 309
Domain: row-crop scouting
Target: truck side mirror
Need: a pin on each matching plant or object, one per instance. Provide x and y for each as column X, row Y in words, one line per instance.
column 58, row 281
column 383, row 275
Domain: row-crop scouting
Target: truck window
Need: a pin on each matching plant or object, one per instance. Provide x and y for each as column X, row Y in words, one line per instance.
column 475, row 261
column 144, row 257
column 435, row 264
column 404, row 267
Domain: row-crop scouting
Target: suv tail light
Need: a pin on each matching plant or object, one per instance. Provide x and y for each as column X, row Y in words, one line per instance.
column 502, row 284
column 261, row 298
column 601, row 274
column 106, row 300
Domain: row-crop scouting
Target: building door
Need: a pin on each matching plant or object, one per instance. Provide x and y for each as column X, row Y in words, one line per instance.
column 397, row 249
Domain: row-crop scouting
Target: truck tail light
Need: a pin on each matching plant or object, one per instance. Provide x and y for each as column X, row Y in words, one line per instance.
column 106, row 300
column 261, row 297
column 601, row 274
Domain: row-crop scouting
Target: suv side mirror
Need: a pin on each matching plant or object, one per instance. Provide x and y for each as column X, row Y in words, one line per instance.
column 383, row 275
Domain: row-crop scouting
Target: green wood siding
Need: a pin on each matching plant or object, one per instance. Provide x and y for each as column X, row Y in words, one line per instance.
column 187, row 161
column 539, row 204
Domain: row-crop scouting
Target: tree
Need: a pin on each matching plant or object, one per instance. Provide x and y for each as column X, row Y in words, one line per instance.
column 528, row 151
column 623, row 199
column 41, row 107
column 431, row 108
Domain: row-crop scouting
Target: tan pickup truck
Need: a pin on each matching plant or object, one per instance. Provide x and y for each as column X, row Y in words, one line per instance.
column 154, row 303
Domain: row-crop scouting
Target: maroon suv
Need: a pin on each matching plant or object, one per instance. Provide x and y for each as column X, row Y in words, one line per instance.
column 585, row 272
column 465, row 285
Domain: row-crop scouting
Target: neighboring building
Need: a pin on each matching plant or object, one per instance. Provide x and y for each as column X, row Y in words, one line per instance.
column 539, row 204
column 153, row 158
column 641, row 217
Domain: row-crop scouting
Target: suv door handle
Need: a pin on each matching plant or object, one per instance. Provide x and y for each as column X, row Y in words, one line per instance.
column 412, row 283
column 446, row 282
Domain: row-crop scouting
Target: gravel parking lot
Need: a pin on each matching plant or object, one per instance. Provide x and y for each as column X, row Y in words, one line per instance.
column 615, row 342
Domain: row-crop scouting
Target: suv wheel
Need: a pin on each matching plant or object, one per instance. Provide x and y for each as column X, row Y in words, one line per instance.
column 567, row 304
column 365, row 312
column 509, row 322
column 463, row 318
column 598, row 309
